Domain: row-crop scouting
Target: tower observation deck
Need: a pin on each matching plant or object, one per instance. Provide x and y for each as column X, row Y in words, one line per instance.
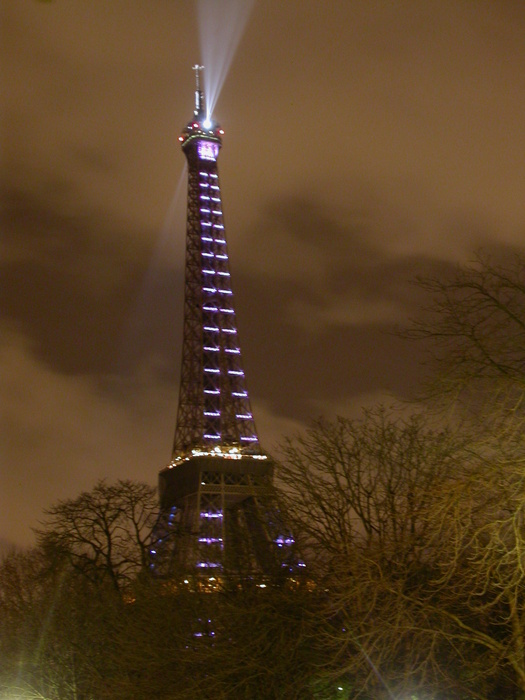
column 218, row 511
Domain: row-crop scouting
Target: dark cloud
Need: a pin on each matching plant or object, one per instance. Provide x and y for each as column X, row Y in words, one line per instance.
column 74, row 287
column 310, row 355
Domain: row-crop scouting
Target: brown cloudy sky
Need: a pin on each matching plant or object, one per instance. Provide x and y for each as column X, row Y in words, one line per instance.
column 367, row 141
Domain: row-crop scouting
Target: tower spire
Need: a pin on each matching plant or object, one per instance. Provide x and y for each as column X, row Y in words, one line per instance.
column 200, row 105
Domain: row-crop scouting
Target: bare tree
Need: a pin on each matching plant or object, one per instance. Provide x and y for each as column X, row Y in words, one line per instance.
column 475, row 323
column 105, row 534
column 257, row 643
column 78, row 620
column 49, row 629
column 21, row 592
column 360, row 493
column 475, row 328
column 417, row 538
column 480, row 589
column 63, row 604
column 365, row 484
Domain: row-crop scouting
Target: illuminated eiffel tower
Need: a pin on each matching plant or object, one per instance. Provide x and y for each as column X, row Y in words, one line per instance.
column 219, row 515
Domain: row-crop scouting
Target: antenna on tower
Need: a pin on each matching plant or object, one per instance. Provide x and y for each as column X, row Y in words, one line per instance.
column 200, row 107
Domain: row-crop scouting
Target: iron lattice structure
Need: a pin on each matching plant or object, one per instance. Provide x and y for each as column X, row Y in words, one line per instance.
column 214, row 407
column 218, row 510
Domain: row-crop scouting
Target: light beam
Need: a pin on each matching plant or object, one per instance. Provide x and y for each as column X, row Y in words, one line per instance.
column 221, row 26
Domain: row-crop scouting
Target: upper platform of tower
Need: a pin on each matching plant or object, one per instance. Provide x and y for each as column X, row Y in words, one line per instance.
column 201, row 132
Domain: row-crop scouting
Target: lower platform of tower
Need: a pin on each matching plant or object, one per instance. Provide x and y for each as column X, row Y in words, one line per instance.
column 220, row 518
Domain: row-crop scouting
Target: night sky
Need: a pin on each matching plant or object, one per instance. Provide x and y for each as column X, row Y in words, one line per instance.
column 366, row 142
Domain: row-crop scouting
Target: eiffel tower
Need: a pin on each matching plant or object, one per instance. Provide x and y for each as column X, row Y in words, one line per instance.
column 219, row 516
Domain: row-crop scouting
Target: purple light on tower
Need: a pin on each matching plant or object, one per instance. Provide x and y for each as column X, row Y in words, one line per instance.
column 207, row 150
